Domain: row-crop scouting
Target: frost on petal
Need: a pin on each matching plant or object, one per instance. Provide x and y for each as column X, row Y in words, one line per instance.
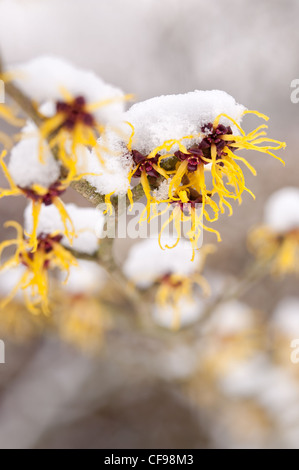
column 282, row 210
column 26, row 168
column 86, row 278
column 146, row 261
column 176, row 116
column 189, row 312
column 88, row 224
column 286, row 317
column 43, row 77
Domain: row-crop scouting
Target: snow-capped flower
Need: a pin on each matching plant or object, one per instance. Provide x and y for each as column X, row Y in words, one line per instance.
column 178, row 138
column 171, row 272
column 40, row 181
column 79, row 104
column 34, row 282
column 198, row 128
column 277, row 240
column 88, row 222
column 36, row 181
column 50, row 253
column 146, row 263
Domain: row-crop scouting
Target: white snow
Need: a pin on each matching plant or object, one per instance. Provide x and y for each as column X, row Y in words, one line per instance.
column 112, row 176
column 87, row 222
column 176, row 116
column 43, row 77
column 25, row 167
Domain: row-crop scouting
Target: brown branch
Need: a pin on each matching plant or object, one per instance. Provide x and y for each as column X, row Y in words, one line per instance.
column 90, row 193
column 22, row 100
column 24, row 103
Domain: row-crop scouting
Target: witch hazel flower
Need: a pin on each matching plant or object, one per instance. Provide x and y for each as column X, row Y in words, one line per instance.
column 75, row 103
column 39, row 182
column 34, row 282
column 182, row 138
column 277, row 240
column 52, row 251
column 172, row 273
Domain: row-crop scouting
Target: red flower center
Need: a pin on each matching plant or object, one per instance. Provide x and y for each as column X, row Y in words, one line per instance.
column 45, row 244
column 145, row 164
column 75, row 112
column 201, row 153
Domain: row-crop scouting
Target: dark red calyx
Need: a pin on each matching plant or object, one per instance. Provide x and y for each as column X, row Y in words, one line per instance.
column 194, row 157
column 201, row 153
column 75, row 112
column 45, row 244
column 213, row 137
column 145, row 164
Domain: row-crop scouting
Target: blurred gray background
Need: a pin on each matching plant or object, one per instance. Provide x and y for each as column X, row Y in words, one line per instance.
column 248, row 48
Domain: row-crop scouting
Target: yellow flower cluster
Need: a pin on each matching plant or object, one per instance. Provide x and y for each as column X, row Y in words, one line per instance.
column 34, row 281
column 190, row 197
